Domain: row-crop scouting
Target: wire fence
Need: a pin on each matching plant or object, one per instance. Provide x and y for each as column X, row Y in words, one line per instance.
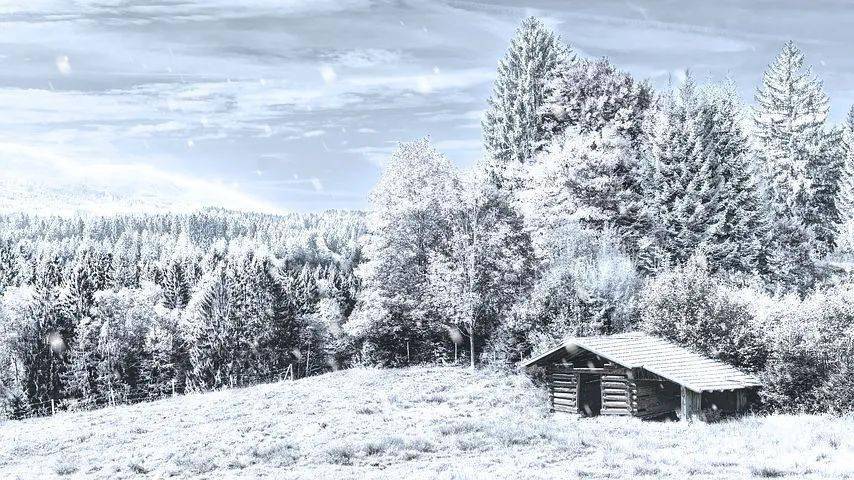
column 145, row 393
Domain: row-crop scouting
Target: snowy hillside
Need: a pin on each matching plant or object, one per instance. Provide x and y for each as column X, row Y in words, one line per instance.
column 415, row 423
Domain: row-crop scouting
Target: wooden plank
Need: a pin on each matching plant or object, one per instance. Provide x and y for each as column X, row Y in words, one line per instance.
column 563, row 385
column 690, row 404
column 564, row 395
column 615, row 412
column 562, row 390
column 564, row 409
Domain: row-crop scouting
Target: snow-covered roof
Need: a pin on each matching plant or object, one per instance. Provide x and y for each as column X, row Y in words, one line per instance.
column 672, row 362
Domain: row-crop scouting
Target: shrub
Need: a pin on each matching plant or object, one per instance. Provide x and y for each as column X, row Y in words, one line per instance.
column 689, row 306
column 812, row 344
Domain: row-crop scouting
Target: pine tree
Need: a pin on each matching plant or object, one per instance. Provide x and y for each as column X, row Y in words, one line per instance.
column 125, row 259
column 798, row 161
column 732, row 219
column 671, row 167
column 206, row 326
column 8, row 265
column 176, row 288
column 511, row 126
column 845, row 199
column 159, row 369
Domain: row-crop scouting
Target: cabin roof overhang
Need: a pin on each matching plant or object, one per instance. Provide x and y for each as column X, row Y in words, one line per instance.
column 669, row 361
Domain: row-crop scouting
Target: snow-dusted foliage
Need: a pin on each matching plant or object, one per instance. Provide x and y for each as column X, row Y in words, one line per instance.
column 699, row 188
column 412, row 208
column 591, row 178
column 588, row 286
column 486, row 266
column 591, row 95
column 811, row 352
column 689, row 306
column 105, row 310
column 599, row 207
column 512, row 124
column 800, row 165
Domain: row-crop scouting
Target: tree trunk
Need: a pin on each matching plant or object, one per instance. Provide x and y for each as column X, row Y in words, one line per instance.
column 471, row 347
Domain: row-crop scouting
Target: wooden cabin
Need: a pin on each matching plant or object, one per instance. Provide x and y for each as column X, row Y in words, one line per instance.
column 642, row 376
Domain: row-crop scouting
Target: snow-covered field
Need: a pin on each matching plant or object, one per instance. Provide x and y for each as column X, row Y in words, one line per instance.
column 415, row 423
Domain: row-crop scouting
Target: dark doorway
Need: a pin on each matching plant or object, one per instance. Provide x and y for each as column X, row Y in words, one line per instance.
column 589, row 394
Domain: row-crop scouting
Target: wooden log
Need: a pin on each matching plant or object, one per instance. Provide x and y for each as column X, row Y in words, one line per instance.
column 615, row 412
column 563, row 389
column 564, row 395
column 615, row 398
column 562, row 385
column 564, row 409
column 614, row 385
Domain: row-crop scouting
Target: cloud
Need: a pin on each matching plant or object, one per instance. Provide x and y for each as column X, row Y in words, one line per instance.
column 367, row 57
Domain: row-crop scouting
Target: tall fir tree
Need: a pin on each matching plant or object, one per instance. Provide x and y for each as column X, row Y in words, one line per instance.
column 512, row 124
column 845, row 198
column 176, row 287
column 799, row 165
column 669, row 167
column 732, row 218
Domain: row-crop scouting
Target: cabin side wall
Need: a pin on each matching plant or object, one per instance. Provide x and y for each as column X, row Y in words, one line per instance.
column 656, row 398
column 618, row 393
column 563, row 389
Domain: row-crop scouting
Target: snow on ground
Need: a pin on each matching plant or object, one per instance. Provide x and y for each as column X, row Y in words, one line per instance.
column 417, row 422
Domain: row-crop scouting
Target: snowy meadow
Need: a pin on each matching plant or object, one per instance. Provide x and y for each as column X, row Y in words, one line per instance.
column 424, row 422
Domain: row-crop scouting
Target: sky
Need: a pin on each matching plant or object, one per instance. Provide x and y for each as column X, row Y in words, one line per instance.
column 296, row 105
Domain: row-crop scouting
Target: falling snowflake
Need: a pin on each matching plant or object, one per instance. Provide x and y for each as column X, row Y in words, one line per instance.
column 63, row 64
column 328, row 74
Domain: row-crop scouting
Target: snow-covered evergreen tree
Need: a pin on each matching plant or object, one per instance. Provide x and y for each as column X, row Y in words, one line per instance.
column 512, row 124
column 799, row 163
column 732, row 218
column 845, row 199
column 670, row 165
column 175, row 285
column 206, row 327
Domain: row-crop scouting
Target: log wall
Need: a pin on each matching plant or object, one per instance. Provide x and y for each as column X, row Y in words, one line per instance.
column 563, row 389
column 655, row 398
column 618, row 394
